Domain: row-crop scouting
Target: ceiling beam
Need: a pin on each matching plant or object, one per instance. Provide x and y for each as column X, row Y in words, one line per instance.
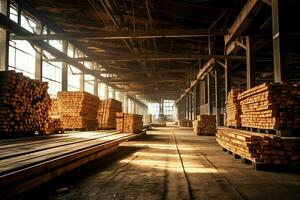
column 149, row 58
column 13, row 27
column 121, row 34
column 241, row 23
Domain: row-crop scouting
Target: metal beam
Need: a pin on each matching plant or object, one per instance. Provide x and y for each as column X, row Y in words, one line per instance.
column 149, row 58
column 13, row 27
column 250, row 61
column 241, row 23
column 280, row 39
column 206, row 69
column 120, row 35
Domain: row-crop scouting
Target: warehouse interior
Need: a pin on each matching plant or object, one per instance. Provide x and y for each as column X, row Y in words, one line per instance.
column 148, row 99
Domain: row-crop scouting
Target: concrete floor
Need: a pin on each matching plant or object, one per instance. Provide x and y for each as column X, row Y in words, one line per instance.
column 171, row 163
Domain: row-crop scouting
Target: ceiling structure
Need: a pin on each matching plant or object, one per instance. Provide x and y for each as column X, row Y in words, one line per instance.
column 156, row 48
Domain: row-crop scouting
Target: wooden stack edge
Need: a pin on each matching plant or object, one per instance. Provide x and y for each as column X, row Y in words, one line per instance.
column 244, row 144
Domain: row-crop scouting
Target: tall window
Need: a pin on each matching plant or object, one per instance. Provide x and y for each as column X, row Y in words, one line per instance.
column 52, row 71
column 153, row 108
column 169, row 109
column 21, row 53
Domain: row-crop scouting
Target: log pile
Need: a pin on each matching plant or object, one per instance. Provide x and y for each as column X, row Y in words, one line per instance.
column 129, row 123
column 233, row 109
column 78, row 110
column 205, row 125
column 107, row 113
column 54, row 124
column 260, row 148
column 274, row 106
column 24, row 104
column 184, row 123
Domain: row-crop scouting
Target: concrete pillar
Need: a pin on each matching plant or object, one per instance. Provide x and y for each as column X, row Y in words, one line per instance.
column 208, row 95
column 64, row 69
column 4, row 38
column 125, row 103
column 38, row 55
column 217, row 95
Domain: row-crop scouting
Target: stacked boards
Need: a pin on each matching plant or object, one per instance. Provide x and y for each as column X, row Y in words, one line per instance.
column 129, row 123
column 54, row 118
column 24, row 104
column 260, row 148
column 271, row 106
column 205, row 125
column 233, row 109
column 78, row 110
column 107, row 113
column 184, row 123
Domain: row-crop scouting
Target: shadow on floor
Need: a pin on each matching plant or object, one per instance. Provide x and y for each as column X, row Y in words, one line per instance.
column 83, row 172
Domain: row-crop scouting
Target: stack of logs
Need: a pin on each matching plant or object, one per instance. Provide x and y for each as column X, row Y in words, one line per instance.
column 205, row 125
column 184, row 123
column 107, row 113
column 271, row 106
column 54, row 124
column 78, row 110
column 129, row 123
column 260, row 148
column 233, row 109
column 24, row 104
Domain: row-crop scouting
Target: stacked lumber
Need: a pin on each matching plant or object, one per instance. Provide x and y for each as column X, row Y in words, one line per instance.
column 78, row 110
column 205, row 125
column 24, row 104
column 133, row 123
column 271, row 106
column 129, row 123
column 120, row 121
column 148, row 119
column 233, row 109
column 54, row 110
column 260, row 148
column 107, row 113
column 184, row 123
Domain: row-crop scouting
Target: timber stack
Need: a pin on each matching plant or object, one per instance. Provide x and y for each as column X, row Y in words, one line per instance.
column 129, row 123
column 233, row 109
column 260, row 148
column 205, row 125
column 24, row 105
column 274, row 106
column 54, row 124
column 78, row 110
column 107, row 113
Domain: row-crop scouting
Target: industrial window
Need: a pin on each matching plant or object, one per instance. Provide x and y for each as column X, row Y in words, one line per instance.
column 51, row 72
column 101, row 91
column 111, row 92
column 153, row 108
column 89, row 81
column 73, row 79
column 21, row 53
column 169, row 109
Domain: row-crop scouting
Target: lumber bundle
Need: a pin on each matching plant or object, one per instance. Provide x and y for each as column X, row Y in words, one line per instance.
column 78, row 110
column 148, row 119
column 54, row 110
column 107, row 113
column 24, row 104
column 260, row 148
column 184, row 123
column 205, row 125
column 271, row 106
column 233, row 109
column 54, row 124
column 129, row 123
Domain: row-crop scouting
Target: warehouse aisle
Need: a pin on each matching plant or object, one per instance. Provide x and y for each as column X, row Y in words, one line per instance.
column 172, row 163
